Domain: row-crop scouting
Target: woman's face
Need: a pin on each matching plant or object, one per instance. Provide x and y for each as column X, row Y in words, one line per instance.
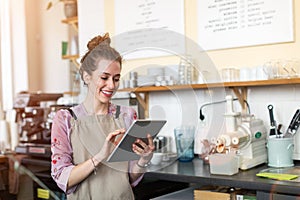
column 105, row 80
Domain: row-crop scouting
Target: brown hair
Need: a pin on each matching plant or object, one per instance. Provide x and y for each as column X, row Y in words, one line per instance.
column 98, row 48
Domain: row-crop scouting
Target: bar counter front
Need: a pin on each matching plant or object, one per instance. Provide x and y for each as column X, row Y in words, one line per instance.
column 197, row 172
column 171, row 177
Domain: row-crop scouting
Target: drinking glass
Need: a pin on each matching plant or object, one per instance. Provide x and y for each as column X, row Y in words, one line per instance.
column 184, row 137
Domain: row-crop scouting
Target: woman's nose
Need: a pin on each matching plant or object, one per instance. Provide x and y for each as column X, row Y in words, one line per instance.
column 111, row 83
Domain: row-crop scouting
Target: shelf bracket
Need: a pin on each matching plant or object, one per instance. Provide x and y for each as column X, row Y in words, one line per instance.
column 144, row 102
column 241, row 94
column 73, row 58
column 75, row 26
column 75, row 63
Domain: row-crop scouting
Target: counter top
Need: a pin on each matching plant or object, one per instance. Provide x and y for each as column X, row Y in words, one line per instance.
column 199, row 173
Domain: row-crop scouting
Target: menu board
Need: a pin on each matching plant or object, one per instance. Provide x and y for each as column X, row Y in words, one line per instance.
column 236, row 23
column 143, row 27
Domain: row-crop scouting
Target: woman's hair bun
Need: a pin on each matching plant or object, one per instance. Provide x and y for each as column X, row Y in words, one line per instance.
column 103, row 40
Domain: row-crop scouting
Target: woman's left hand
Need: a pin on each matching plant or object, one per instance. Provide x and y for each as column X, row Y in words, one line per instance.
column 144, row 150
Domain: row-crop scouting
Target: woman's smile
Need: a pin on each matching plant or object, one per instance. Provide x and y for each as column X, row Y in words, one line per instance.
column 107, row 93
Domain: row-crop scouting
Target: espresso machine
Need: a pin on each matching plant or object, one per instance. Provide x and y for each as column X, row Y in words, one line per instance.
column 245, row 135
column 34, row 122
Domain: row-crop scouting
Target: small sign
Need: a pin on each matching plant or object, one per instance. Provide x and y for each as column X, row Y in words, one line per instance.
column 39, row 150
column 43, row 194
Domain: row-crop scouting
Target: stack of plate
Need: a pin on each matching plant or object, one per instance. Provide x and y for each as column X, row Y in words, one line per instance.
column 159, row 75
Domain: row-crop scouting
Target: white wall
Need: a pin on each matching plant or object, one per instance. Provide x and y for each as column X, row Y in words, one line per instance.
column 53, row 32
column 13, row 62
column 48, row 71
column 91, row 24
column 184, row 106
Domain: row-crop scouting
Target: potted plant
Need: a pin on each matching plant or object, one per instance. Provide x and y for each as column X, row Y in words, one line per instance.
column 70, row 7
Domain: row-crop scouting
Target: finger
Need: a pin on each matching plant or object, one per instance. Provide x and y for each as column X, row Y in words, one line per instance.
column 118, row 139
column 118, row 132
column 152, row 148
column 141, row 143
column 111, row 136
column 150, row 140
column 136, row 149
column 122, row 130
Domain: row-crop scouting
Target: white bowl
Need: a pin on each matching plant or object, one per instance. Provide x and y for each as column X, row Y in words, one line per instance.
column 157, row 158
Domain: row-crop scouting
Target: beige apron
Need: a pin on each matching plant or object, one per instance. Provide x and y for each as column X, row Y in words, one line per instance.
column 111, row 180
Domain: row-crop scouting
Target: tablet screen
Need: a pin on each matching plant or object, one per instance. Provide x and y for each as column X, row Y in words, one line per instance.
column 138, row 129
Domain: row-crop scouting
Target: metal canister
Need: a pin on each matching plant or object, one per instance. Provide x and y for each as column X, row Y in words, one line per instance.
column 160, row 144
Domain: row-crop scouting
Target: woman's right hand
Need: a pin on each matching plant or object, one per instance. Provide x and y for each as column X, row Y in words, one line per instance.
column 111, row 141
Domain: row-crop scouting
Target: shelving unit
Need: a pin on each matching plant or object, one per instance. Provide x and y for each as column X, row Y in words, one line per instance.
column 73, row 21
column 239, row 88
column 72, row 58
column 73, row 55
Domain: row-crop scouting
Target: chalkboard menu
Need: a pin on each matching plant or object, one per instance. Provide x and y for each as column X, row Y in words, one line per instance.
column 237, row 23
column 149, row 28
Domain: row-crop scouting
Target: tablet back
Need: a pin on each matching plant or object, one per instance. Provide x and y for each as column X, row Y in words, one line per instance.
column 138, row 129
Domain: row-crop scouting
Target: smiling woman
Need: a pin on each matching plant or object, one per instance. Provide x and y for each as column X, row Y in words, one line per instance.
column 85, row 135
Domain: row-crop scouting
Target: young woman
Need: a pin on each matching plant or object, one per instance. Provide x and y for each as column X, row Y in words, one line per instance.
column 84, row 136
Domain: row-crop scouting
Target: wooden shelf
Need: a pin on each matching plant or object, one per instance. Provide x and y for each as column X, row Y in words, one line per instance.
column 73, row 21
column 213, row 85
column 239, row 88
column 70, row 20
column 70, row 56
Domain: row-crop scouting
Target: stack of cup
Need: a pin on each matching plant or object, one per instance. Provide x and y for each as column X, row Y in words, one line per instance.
column 230, row 74
column 133, row 79
column 186, row 70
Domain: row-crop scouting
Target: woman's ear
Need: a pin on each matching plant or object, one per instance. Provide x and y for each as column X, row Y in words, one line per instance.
column 86, row 78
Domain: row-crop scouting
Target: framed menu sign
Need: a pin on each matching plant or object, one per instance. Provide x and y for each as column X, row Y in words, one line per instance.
column 143, row 27
column 236, row 23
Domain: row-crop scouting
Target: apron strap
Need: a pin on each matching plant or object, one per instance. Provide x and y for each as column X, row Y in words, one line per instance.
column 118, row 111
column 72, row 113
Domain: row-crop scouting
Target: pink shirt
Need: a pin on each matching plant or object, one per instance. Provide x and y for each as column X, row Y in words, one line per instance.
column 61, row 147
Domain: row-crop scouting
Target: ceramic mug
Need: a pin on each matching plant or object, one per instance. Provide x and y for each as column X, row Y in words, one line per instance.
column 280, row 152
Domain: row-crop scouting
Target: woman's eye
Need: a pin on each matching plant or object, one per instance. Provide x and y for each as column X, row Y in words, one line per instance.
column 115, row 79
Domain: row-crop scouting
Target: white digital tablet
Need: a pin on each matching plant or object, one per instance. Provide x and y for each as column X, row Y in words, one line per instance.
column 138, row 129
